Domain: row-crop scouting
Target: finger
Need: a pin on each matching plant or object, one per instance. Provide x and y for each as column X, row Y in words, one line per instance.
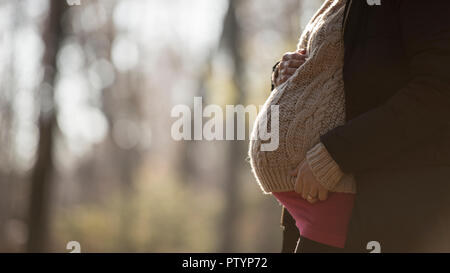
column 307, row 181
column 296, row 63
column 278, row 81
column 306, row 188
column 323, row 194
column 286, row 57
column 294, row 172
column 293, row 63
column 297, row 56
column 288, row 71
column 302, row 51
column 299, row 180
column 298, row 187
column 312, row 200
column 284, row 78
column 311, row 196
column 313, row 190
column 291, row 55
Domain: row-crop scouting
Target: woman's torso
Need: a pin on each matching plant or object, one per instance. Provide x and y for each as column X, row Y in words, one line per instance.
column 311, row 102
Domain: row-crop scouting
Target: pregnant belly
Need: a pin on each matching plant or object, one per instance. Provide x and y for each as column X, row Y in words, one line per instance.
column 302, row 112
column 325, row 222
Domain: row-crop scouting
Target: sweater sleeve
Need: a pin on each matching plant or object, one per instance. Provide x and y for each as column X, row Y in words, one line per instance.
column 419, row 110
column 324, row 168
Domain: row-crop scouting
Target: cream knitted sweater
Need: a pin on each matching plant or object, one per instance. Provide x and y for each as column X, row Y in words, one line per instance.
column 311, row 103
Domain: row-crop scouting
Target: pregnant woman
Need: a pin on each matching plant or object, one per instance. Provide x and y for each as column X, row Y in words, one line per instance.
column 395, row 140
column 300, row 173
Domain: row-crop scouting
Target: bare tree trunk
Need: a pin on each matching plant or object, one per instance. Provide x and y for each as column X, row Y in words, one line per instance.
column 232, row 40
column 126, row 160
column 41, row 179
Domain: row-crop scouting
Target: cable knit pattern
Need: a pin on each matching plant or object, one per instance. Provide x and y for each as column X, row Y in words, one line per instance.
column 311, row 103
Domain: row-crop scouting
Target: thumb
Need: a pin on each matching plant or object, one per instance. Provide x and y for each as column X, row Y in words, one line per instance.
column 297, row 169
column 294, row 172
column 302, row 51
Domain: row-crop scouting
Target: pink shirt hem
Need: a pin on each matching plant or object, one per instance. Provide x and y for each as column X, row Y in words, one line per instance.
column 325, row 222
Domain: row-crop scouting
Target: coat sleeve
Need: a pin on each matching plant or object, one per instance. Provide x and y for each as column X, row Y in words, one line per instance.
column 418, row 110
column 274, row 75
column 291, row 233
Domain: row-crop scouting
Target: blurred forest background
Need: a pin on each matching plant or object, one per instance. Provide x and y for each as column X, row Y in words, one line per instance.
column 85, row 147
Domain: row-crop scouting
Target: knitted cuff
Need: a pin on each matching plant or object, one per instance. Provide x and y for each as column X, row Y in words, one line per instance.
column 323, row 166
